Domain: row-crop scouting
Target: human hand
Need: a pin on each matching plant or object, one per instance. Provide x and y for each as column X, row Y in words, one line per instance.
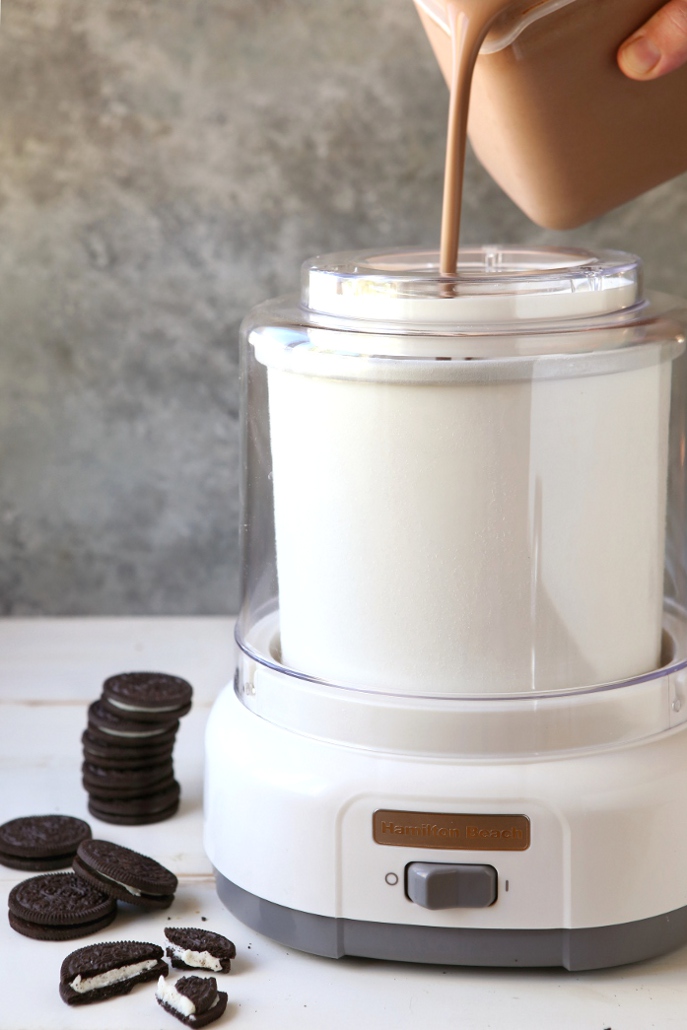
column 660, row 46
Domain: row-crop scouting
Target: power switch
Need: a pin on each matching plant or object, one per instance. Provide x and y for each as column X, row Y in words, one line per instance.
column 439, row 885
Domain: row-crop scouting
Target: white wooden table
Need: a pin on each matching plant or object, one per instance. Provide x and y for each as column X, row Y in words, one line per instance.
column 49, row 671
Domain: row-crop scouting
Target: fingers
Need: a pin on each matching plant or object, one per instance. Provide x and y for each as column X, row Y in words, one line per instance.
column 658, row 47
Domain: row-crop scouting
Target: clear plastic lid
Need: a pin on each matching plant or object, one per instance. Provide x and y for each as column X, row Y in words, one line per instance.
column 493, row 284
column 505, row 305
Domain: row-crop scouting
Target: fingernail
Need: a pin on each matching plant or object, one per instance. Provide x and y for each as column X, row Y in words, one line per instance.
column 640, row 55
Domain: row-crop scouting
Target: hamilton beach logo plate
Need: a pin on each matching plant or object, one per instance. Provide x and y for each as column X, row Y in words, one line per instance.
column 454, row 832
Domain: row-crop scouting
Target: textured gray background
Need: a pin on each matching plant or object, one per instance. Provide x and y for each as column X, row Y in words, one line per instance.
column 164, row 165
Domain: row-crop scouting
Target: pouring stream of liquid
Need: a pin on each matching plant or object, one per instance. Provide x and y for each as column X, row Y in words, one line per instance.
column 469, row 21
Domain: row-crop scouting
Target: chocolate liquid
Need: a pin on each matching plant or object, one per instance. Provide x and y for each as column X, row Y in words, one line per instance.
column 469, row 22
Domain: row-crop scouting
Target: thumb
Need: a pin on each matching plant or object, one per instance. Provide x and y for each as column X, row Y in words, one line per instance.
column 660, row 46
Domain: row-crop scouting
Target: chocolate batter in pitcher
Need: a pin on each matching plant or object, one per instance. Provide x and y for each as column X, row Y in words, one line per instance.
column 551, row 117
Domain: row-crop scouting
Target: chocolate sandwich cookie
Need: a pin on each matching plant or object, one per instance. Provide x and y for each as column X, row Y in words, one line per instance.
column 194, row 1000
column 37, row 843
column 58, row 907
column 152, row 808
column 125, row 874
column 107, row 753
column 191, row 948
column 104, row 725
column 147, row 696
column 101, row 971
column 105, row 783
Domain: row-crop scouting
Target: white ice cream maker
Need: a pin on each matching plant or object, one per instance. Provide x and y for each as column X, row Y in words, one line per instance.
column 458, row 727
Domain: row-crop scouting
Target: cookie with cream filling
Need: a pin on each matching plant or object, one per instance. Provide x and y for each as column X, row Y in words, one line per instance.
column 123, row 731
column 58, row 906
column 125, row 874
column 147, row 696
column 193, row 948
column 149, row 808
column 41, row 842
column 193, row 1000
column 104, row 970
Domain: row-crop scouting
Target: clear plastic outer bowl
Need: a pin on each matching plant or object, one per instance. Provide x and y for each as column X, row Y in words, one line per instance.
column 486, row 726
column 463, row 504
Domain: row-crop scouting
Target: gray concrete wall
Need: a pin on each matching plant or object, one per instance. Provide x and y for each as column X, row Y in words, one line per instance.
column 164, row 165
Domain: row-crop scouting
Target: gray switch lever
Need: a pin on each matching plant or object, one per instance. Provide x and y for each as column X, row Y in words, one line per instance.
column 440, row 885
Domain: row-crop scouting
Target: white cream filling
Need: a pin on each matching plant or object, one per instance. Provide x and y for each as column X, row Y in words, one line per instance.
column 131, row 890
column 197, row 959
column 119, row 733
column 141, row 708
column 168, row 993
column 112, row 976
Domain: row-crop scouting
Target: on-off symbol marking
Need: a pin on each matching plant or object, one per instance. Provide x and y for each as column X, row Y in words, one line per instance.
column 391, row 879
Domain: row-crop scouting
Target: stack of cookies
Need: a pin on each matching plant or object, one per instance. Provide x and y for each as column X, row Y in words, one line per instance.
column 128, row 769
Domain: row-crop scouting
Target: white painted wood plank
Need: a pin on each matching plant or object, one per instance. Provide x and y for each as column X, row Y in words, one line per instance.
column 60, row 660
